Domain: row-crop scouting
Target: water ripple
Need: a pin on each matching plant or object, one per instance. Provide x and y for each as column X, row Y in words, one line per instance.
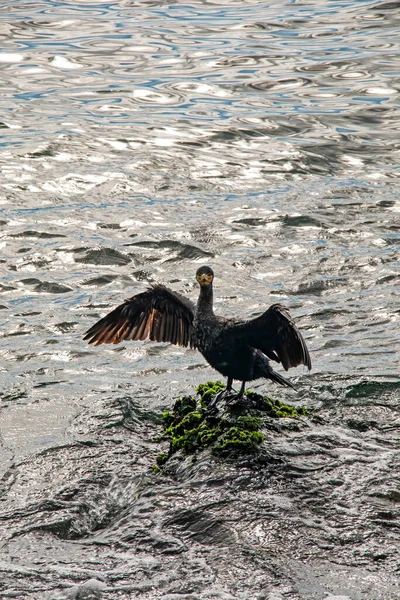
column 139, row 141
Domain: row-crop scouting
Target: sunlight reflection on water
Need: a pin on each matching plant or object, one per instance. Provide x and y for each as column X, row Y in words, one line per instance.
column 140, row 140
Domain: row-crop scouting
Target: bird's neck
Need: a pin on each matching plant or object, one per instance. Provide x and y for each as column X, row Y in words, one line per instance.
column 205, row 301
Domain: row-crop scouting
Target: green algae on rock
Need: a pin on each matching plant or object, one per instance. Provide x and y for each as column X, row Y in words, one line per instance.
column 233, row 431
column 161, row 458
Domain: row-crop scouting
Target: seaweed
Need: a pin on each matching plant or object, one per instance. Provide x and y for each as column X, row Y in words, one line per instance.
column 234, row 430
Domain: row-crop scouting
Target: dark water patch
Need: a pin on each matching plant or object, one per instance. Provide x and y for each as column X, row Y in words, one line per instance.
column 142, row 275
column 280, row 84
column 328, row 313
column 36, row 234
column 49, row 151
column 385, row 6
column 17, row 333
column 103, row 256
column 302, row 221
column 30, row 281
column 124, row 412
column 389, row 495
column 44, row 384
column 99, row 281
column 386, row 204
column 253, row 221
column 51, row 287
column 319, row 286
column 339, row 343
column 109, row 226
column 387, row 279
column 181, row 250
column 365, row 389
column 65, row 326
column 13, row 396
column 361, row 425
column 39, row 263
column 202, row 527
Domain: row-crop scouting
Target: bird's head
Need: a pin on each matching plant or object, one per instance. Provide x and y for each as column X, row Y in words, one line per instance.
column 204, row 276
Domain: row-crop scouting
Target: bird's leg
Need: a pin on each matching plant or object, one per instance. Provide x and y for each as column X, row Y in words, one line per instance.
column 237, row 397
column 224, row 392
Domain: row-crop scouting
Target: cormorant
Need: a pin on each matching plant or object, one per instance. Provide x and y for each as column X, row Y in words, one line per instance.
column 238, row 349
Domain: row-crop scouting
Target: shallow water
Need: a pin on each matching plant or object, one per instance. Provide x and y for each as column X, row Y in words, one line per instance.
column 140, row 141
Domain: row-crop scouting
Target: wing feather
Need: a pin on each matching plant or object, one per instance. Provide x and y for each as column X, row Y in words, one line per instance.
column 123, row 333
column 276, row 335
column 159, row 314
column 141, row 327
column 155, row 330
column 163, row 328
column 176, row 332
column 168, row 329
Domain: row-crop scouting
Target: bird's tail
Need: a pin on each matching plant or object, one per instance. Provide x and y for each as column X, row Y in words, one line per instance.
column 278, row 378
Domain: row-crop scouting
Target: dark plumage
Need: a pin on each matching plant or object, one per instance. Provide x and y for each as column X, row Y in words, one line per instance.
column 238, row 349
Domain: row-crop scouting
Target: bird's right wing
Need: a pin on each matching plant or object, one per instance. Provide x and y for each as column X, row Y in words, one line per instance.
column 158, row 313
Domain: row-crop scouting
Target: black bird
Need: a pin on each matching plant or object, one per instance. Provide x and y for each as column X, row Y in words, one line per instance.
column 238, row 349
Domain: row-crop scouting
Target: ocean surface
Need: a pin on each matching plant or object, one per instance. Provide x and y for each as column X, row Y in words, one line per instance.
column 139, row 141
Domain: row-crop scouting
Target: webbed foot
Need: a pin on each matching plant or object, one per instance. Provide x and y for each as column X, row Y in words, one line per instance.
column 235, row 400
column 223, row 395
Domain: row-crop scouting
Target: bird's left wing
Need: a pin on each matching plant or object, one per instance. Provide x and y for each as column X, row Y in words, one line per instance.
column 158, row 313
column 276, row 335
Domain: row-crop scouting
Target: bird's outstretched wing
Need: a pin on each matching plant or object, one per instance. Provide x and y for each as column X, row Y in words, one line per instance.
column 158, row 313
column 276, row 335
